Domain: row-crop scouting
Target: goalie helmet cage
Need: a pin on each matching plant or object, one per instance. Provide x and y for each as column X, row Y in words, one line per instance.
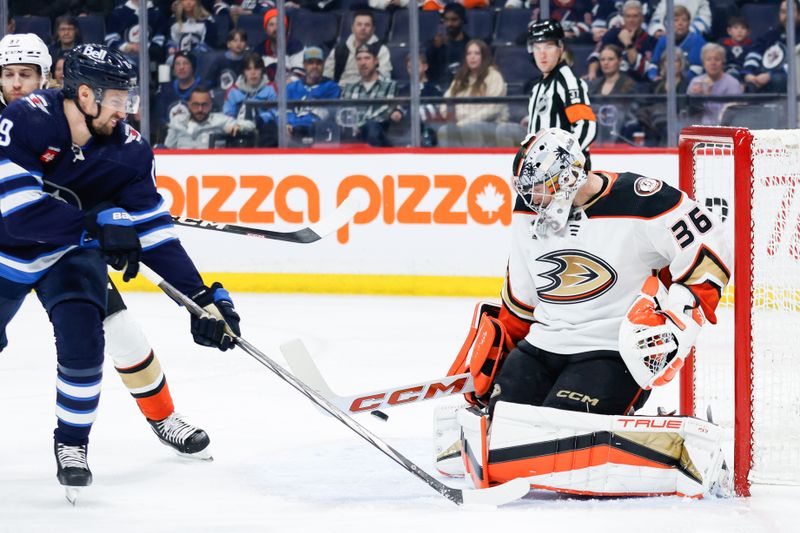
column 745, row 368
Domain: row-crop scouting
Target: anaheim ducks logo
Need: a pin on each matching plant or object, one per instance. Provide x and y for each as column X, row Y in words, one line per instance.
column 577, row 277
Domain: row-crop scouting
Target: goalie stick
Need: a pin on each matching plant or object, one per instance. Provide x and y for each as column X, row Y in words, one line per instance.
column 497, row 495
column 312, row 233
column 303, row 366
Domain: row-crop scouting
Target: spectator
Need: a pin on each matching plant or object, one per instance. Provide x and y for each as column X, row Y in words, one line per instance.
column 294, row 49
column 632, row 38
column 192, row 27
column 172, row 96
column 765, row 66
column 57, row 74
column 227, row 67
column 446, row 50
column 653, row 117
column 606, row 15
column 195, row 129
column 368, row 122
column 611, row 80
column 122, row 27
column 737, row 45
column 341, row 63
column 315, row 5
column 690, row 43
column 67, row 36
column 575, row 16
column 388, row 5
column 400, row 116
column 254, row 85
column 475, row 124
column 715, row 82
column 302, row 121
column 698, row 11
column 237, row 8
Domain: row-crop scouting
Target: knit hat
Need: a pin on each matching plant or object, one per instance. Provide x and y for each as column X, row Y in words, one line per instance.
column 271, row 14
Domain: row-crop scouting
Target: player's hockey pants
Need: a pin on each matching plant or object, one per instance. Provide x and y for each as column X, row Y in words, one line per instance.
column 73, row 292
column 591, row 382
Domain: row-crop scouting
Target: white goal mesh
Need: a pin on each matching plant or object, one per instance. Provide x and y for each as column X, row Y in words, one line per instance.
column 761, row 403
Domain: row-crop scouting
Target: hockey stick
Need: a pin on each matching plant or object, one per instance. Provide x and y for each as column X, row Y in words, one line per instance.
column 343, row 214
column 496, row 495
column 302, row 365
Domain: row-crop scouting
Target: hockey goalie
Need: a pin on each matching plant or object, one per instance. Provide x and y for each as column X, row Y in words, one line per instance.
column 611, row 277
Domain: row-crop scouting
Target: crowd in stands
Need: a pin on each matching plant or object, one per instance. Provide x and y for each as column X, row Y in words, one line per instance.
column 216, row 83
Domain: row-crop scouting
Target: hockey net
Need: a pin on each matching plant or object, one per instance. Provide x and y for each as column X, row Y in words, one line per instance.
column 747, row 368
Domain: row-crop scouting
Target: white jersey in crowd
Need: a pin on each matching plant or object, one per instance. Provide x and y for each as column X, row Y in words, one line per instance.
column 577, row 285
column 561, row 100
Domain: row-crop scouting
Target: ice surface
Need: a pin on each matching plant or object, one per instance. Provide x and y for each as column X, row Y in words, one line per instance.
column 280, row 465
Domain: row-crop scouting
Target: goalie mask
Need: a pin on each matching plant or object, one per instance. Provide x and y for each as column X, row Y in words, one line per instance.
column 548, row 171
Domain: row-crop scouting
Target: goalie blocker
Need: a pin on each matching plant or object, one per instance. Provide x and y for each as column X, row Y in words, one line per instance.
column 596, row 455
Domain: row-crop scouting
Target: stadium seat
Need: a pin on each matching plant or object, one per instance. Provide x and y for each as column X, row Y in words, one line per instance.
column 254, row 26
column 480, row 24
column 515, row 64
column 428, row 25
column 314, row 28
column 382, row 22
column 580, row 57
column 223, row 23
column 761, row 18
column 33, row 24
column 92, row 28
column 511, row 25
column 398, row 55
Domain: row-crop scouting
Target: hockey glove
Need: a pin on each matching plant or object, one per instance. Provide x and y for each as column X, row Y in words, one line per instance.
column 659, row 332
column 110, row 229
column 222, row 322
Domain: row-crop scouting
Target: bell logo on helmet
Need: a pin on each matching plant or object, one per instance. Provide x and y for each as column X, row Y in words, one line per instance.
column 95, row 53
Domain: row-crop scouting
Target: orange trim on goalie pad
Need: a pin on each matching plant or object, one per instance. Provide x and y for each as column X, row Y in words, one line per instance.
column 477, row 471
column 563, row 462
column 578, row 112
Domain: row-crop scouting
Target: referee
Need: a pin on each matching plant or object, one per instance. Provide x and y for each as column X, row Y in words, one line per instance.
column 560, row 98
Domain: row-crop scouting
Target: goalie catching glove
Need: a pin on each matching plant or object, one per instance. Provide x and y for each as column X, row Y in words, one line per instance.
column 659, row 332
column 221, row 323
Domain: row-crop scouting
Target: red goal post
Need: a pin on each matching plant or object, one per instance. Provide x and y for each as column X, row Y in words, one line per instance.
column 752, row 384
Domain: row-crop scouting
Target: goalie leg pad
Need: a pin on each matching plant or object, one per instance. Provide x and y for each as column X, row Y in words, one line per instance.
column 603, row 455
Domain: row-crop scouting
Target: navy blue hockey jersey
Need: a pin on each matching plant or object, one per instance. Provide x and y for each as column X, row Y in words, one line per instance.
column 47, row 184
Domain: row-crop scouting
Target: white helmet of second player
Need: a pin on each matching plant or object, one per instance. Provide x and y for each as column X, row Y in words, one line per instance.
column 550, row 166
column 26, row 49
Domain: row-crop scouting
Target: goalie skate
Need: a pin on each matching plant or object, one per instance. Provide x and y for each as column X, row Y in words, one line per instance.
column 187, row 440
column 72, row 469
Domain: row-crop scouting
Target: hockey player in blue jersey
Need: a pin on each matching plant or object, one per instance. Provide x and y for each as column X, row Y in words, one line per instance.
column 77, row 192
column 24, row 67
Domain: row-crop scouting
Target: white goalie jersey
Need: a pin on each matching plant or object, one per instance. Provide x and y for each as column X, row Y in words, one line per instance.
column 577, row 285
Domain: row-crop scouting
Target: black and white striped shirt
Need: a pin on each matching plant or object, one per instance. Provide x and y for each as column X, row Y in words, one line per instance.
column 561, row 100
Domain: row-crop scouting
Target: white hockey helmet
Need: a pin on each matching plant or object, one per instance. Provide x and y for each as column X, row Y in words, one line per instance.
column 553, row 161
column 26, row 49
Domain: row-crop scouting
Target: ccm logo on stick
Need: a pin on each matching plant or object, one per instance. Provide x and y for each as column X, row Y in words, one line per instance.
column 408, row 395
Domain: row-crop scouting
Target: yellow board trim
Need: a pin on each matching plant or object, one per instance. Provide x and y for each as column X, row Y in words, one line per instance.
column 340, row 284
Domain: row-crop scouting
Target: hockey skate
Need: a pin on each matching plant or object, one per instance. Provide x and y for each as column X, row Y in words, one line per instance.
column 73, row 470
column 187, row 440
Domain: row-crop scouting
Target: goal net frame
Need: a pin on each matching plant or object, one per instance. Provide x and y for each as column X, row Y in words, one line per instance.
column 741, row 142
